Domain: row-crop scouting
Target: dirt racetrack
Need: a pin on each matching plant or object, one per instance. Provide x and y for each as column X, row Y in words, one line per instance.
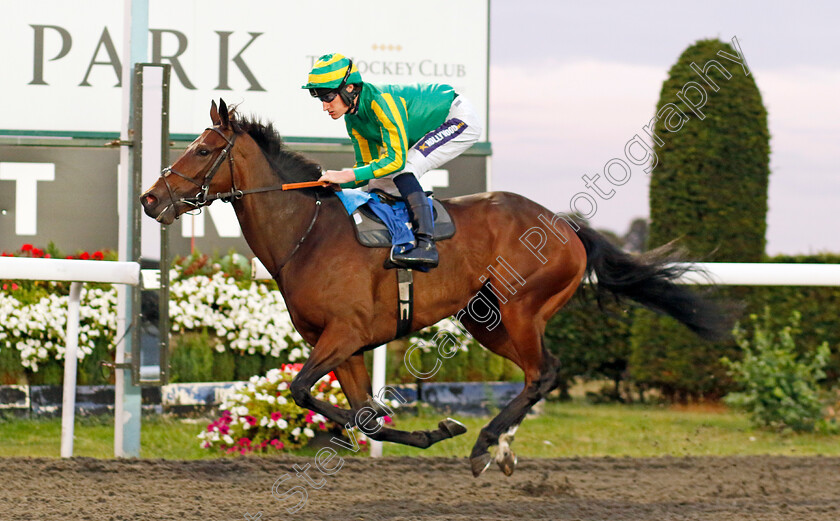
column 660, row 489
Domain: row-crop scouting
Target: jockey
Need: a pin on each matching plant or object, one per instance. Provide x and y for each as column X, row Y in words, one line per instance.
column 399, row 132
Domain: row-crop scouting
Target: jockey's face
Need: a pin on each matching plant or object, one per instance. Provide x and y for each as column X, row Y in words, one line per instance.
column 337, row 108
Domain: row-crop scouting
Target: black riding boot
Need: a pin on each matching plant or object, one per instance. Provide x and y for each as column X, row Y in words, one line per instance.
column 424, row 254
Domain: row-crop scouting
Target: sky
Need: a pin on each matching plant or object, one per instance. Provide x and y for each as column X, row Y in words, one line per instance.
column 572, row 82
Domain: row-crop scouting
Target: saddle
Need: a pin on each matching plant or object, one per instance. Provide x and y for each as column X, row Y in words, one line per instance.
column 372, row 232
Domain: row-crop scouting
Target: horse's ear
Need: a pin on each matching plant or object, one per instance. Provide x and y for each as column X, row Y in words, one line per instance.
column 214, row 114
column 223, row 113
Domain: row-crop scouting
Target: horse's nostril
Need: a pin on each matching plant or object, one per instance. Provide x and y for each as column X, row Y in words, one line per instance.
column 149, row 200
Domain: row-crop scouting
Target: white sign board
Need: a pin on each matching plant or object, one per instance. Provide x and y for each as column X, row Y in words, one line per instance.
column 62, row 60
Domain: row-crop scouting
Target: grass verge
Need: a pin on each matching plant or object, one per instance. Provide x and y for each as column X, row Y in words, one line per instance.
column 574, row 429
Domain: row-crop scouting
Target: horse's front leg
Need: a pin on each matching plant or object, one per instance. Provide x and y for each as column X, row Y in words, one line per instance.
column 326, row 356
column 355, row 382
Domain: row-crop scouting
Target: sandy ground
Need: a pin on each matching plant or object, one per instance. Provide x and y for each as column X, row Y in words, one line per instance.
column 660, row 489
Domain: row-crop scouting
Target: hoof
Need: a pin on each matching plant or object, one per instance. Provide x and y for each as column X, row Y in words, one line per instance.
column 508, row 463
column 452, row 427
column 480, row 463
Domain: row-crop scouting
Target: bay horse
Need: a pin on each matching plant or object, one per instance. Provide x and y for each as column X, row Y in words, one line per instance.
column 343, row 302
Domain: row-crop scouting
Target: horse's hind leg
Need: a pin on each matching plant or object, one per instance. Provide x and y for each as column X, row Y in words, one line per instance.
column 519, row 339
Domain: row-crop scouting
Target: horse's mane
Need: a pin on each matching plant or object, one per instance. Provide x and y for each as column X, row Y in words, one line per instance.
column 288, row 165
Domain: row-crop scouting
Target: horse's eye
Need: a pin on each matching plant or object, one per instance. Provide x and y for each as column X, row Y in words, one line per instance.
column 204, row 152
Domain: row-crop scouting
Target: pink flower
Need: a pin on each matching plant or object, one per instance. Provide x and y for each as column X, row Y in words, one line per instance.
column 251, row 420
column 276, row 416
column 387, row 420
column 244, row 442
column 309, row 416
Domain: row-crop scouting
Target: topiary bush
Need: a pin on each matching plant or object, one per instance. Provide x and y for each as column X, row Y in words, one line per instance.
column 709, row 192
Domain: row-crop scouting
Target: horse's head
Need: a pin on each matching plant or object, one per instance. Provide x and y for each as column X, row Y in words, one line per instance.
column 201, row 175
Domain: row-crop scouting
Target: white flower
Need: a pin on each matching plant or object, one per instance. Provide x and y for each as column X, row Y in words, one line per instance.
column 308, row 432
column 227, row 439
column 282, row 424
column 296, row 432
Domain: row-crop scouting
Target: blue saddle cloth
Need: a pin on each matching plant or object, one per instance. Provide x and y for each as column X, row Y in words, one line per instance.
column 395, row 217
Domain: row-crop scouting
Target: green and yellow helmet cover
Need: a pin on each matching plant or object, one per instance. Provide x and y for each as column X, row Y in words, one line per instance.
column 329, row 71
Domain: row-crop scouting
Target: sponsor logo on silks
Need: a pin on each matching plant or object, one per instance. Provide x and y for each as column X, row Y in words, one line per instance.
column 440, row 135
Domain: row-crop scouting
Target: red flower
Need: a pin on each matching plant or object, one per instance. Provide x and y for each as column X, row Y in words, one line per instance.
column 26, row 247
column 85, row 256
column 98, row 255
column 37, row 252
column 15, row 286
column 244, row 442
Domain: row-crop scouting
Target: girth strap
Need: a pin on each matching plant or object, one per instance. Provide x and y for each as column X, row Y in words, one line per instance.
column 405, row 311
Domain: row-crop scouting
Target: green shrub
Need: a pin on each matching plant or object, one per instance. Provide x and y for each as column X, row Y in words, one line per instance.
column 191, row 358
column 248, row 366
column 780, row 385
column 590, row 343
column 224, row 366
column 11, row 370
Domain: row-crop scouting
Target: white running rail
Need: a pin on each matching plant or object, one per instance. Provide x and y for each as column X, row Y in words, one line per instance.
column 77, row 272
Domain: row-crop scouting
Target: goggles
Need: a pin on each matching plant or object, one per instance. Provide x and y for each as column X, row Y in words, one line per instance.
column 327, row 95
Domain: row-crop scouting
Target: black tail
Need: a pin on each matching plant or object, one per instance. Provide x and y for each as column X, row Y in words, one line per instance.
column 649, row 280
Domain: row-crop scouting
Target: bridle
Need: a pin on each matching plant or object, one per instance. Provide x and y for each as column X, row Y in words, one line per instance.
column 204, row 198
